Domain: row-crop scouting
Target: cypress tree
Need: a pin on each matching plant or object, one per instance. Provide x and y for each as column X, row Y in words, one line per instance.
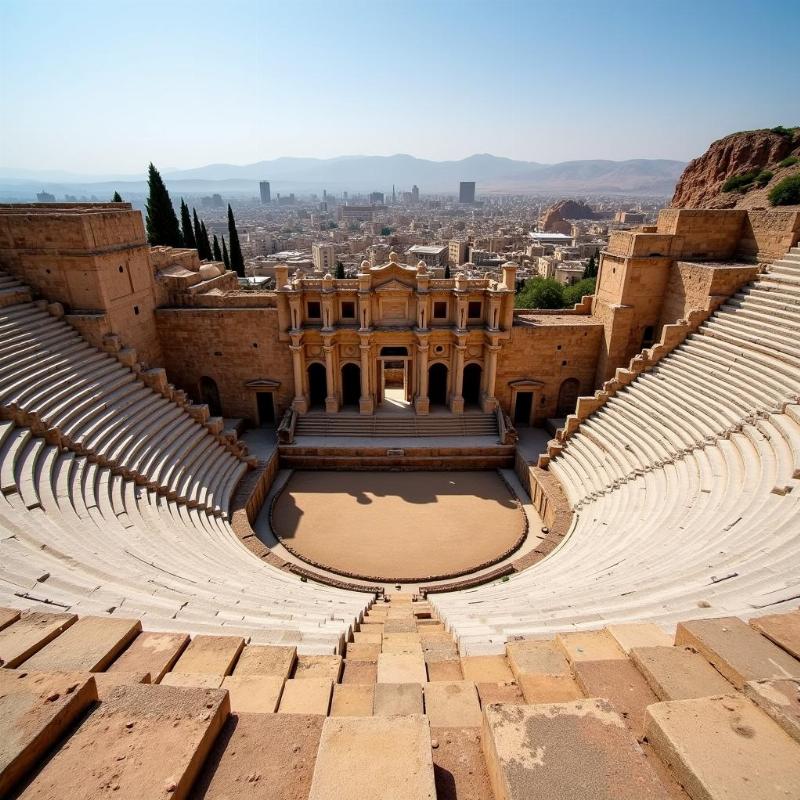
column 237, row 260
column 116, row 198
column 205, row 252
column 447, row 270
column 591, row 268
column 198, row 234
column 186, row 226
column 162, row 224
column 339, row 270
column 225, row 257
column 216, row 250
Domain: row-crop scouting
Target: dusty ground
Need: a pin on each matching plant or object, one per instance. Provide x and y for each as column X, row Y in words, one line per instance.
column 397, row 525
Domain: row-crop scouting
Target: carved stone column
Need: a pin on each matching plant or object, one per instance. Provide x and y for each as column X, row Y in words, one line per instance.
column 331, row 401
column 366, row 403
column 300, row 402
column 457, row 398
column 489, row 401
column 422, row 401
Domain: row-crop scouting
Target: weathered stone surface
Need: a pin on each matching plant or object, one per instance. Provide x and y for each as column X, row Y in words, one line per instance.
column 7, row 616
column 677, row 673
column 353, row 700
column 262, row 757
column 362, row 651
column 195, row 680
column 398, row 699
column 263, row 659
column 360, row 757
column 144, row 741
column 486, row 669
column 153, row 653
column 399, row 643
column 32, row 631
column 365, row 637
column 549, row 688
column 590, row 646
column 639, row 634
column 401, row 668
column 459, row 765
column 621, row 683
column 452, row 705
column 499, row 693
column 542, row 657
column 253, row 694
column 91, row 644
column 35, row 711
column 779, row 699
column 447, row 669
column 572, row 750
column 306, row 696
column 783, row 629
column 740, row 653
column 724, row 747
column 214, row 655
column 359, row 672
column 329, row 667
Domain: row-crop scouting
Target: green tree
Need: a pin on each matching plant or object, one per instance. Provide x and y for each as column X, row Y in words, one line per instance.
column 541, row 293
column 215, row 248
column 339, row 270
column 205, row 252
column 116, row 198
column 225, row 257
column 591, row 268
column 785, row 192
column 574, row 293
column 237, row 260
column 186, row 226
column 198, row 232
column 385, row 230
column 162, row 224
column 447, row 270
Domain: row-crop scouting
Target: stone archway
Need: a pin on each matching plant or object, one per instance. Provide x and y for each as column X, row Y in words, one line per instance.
column 471, row 386
column 437, row 384
column 351, row 384
column 568, row 397
column 209, row 394
column 317, row 385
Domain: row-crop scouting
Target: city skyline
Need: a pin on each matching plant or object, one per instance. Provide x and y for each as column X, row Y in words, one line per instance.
column 189, row 85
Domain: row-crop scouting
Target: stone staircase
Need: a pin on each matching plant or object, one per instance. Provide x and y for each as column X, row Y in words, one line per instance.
column 400, row 425
column 93, row 707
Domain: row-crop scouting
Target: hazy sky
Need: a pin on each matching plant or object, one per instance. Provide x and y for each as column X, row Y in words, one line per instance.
column 107, row 86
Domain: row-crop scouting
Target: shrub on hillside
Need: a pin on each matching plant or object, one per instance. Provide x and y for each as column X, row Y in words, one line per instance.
column 781, row 131
column 764, row 177
column 790, row 161
column 573, row 294
column 739, row 182
column 786, row 192
column 541, row 293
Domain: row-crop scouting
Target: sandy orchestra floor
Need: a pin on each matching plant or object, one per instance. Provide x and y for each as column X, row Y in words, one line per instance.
column 397, row 525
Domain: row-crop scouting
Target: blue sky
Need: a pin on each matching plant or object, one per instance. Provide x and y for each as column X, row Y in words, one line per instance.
column 97, row 86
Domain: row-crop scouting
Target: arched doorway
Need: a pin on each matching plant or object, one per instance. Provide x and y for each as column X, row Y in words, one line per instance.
column 568, row 397
column 317, row 385
column 471, row 387
column 437, row 384
column 209, row 394
column 351, row 384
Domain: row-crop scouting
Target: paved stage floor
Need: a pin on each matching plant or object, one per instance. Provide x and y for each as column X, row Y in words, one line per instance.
column 398, row 526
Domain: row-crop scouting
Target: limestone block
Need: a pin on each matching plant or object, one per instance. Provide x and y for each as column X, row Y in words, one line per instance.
column 403, row 668
column 253, row 694
column 258, row 659
column 353, row 700
column 676, row 673
column 452, row 704
column 306, row 696
column 213, row 655
column 32, row 631
column 398, row 699
column 153, row 653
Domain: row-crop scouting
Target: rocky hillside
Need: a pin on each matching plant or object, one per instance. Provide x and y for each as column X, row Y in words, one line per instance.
column 554, row 219
column 739, row 170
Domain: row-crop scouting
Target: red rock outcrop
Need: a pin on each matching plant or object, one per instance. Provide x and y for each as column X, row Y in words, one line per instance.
column 554, row 219
column 701, row 184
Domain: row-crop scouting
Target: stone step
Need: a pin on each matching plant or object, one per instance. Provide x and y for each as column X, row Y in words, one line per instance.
column 782, row 629
column 144, row 741
column 261, row 757
column 401, row 668
column 360, row 757
column 780, row 700
column 262, row 659
column 736, row 650
column 213, row 655
column 724, row 747
column 151, row 653
column 579, row 750
column 306, row 696
column 678, row 673
column 353, row 699
column 90, row 645
column 253, row 694
column 398, row 699
column 29, row 634
column 36, row 710
column 452, row 704
column 7, row 616
column 459, row 766
column 328, row 667
column 359, row 672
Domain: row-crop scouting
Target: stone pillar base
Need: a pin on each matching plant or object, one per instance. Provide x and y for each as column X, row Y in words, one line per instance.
column 300, row 405
column 488, row 404
column 422, row 405
column 365, row 405
column 331, row 405
column 457, row 405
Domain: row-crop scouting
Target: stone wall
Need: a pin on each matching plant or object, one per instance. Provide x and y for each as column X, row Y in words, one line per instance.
column 768, row 235
column 231, row 346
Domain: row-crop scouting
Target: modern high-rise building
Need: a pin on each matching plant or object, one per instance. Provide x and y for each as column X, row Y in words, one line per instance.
column 415, row 193
column 266, row 197
column 466, row 192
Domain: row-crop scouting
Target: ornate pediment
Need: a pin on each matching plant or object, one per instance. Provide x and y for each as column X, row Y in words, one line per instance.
column 394, row 286
column 262, row 383
column 394, row 276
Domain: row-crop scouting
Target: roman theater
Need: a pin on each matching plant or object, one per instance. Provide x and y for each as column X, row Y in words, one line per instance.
column 283, row 541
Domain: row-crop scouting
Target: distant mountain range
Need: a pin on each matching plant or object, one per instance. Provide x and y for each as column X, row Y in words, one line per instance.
column 492, row 174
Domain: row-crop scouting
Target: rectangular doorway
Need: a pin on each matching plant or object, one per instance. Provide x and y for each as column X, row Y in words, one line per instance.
column 266, row 409
column 522, row 408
